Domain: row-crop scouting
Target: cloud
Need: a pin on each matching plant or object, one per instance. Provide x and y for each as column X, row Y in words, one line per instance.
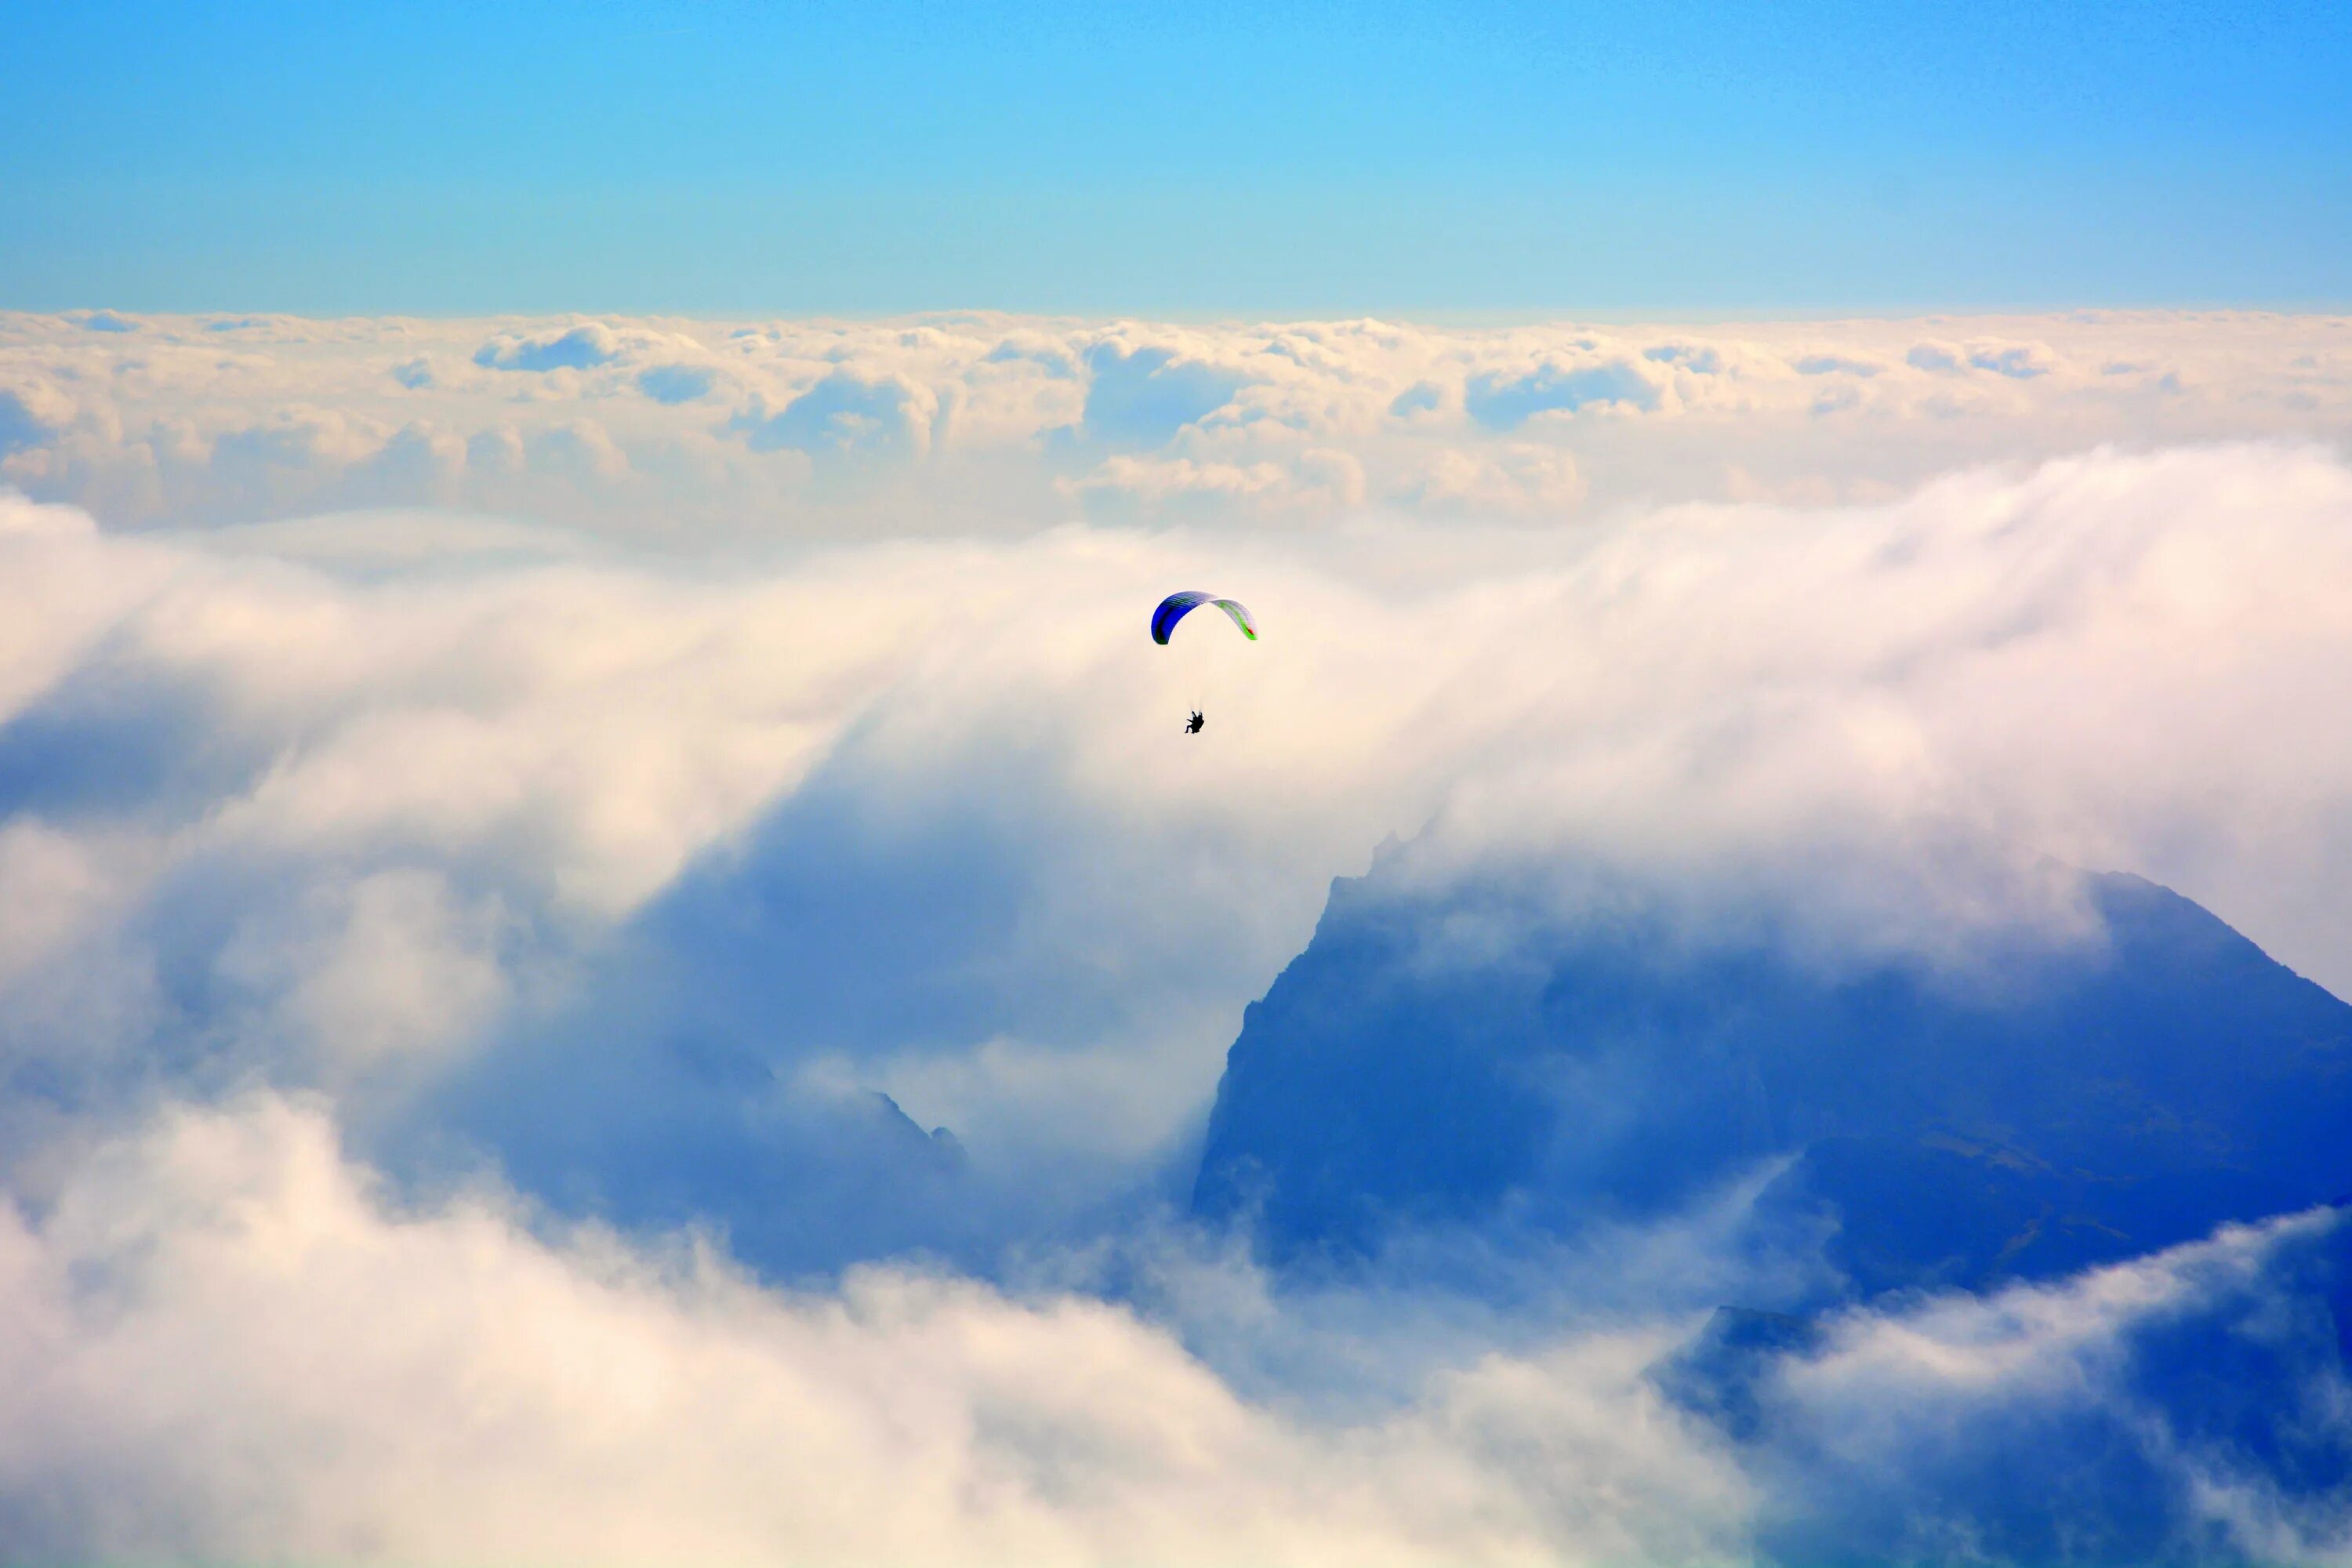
column 1312, row 482
column 55, row 889
column 1144, row 396
column 1519, row 477
column 1836, row 365
column 2019, row 361
column 1421, row 397
column 1503, row 401
column 387, row 968
column 416, row 463
column 226, row 1339
column 1699, row 359
column 2138, row 1381
column 26, row 419
column 584, row 347
column 296, row 439
column 580, row 450
column 224, row 1342
column 1034, row 348
column 495, row 453
column 844, row 416
column 982, row 423
column 676, row 383
column 108, row 322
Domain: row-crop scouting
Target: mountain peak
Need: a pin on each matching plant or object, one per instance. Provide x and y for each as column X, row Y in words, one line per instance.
column 2098, row 1099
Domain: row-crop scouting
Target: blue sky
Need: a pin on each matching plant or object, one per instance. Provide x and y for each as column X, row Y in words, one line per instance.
column 730, row 158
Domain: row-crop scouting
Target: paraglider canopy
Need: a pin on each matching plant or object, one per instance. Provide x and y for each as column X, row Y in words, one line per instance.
column 1176, row 606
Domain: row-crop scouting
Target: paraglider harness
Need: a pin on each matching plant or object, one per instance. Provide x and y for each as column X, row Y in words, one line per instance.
column 1193, row 726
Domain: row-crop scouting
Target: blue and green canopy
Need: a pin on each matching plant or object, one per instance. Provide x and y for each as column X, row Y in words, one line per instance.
column 1176, row 606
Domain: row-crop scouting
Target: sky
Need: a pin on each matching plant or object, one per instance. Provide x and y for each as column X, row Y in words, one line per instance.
column 612, row 950
column 1198, row 161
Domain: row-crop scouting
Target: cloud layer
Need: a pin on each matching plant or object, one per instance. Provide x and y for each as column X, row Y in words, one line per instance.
column 483, row 806
column 223, row 1341
column 673, row 431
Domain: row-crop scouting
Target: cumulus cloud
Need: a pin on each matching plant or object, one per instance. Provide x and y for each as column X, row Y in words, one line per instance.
column 296, row 439
column 581, row 348
column 225, row 1339
column 676, row 383
column 223, row 1342
column 1421, row 397
column 2019, row 362
column 1505, row 401
column 1701, row 359
column 984, row 418
column 579, row 450
column 1512, row 478
column 1313, row 482
column 28, row 418
column 1836, row 365
column 1144, row 395
column 845, row 414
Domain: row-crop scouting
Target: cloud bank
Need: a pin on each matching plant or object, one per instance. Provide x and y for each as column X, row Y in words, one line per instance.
column 678, row 431
column 222, row 1344
column 483, row 806
column 224, row 1341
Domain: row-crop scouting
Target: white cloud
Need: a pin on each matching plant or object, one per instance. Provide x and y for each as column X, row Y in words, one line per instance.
column 2019, row 362
column 974, row 418
column 1938, row 357
column 583, row 347
column 1512, row 478
column 226, row 1340
column 845, row 414
column 677, row 383
column 580, row 450
column 385, row 970
column 2121, row 661
column 221, row 1342
column 1316, row 483
column 1895, row 1416
column 50, row 889
column 31, row 415
column 1505, row 401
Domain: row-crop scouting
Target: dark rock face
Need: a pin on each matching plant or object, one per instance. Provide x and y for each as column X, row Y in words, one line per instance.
column 2072, row 1104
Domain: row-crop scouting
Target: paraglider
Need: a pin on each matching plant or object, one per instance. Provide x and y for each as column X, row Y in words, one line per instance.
column 1175, row 607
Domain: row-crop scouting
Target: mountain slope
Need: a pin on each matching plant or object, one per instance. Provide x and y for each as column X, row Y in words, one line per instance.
column 2069, row 1103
